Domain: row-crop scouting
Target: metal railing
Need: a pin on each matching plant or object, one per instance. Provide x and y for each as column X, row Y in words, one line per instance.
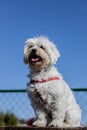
column 18, row 103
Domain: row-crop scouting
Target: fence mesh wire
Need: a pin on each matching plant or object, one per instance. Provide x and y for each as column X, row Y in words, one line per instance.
column 17, row 102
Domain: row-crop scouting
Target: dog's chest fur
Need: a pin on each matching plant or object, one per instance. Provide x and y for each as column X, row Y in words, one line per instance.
column 41, row 94
column 46, row 93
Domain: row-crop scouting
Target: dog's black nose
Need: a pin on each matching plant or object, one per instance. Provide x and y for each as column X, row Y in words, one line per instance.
column 34, row 51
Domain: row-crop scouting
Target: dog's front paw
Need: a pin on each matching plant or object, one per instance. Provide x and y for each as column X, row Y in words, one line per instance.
column 39, row 123
column 55, row 123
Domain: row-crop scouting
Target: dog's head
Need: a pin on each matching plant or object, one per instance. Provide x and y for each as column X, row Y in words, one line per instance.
column 40, row 52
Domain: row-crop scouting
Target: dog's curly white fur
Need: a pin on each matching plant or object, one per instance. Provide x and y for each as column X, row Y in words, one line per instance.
column 52, row 100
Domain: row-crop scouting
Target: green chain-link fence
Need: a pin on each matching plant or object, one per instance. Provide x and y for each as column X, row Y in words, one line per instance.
column 17, row 102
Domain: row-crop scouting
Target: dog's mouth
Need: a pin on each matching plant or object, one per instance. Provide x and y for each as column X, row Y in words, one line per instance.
column 35, row 58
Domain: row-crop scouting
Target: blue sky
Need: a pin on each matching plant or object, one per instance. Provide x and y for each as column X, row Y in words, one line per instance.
column 63, row 21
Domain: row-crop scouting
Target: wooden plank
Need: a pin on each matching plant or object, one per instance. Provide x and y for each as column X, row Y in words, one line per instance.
column 40, row 128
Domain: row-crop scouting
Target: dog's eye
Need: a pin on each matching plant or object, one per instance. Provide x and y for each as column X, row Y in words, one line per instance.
column 42, row 47
column 31, row 46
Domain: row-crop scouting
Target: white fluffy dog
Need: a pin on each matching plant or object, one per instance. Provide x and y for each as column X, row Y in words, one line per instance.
column 51, row 97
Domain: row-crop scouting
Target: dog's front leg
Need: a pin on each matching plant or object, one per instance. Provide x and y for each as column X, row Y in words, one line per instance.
column 58, row 115
column 40, row 115
column 40, row 119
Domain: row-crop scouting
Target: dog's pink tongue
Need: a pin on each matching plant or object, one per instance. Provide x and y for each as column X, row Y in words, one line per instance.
column 34, row 59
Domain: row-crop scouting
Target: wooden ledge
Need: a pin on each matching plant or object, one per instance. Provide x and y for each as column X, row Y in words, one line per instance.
column 40, row 128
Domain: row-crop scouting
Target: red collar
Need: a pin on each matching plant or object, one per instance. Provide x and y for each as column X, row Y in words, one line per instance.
column 44, row 80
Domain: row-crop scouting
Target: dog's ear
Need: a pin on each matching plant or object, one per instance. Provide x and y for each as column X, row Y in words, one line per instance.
column 55, row 54
column 55, row 50
column 25, row 60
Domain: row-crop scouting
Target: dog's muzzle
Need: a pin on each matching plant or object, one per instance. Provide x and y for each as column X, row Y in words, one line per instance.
column 34, row 51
